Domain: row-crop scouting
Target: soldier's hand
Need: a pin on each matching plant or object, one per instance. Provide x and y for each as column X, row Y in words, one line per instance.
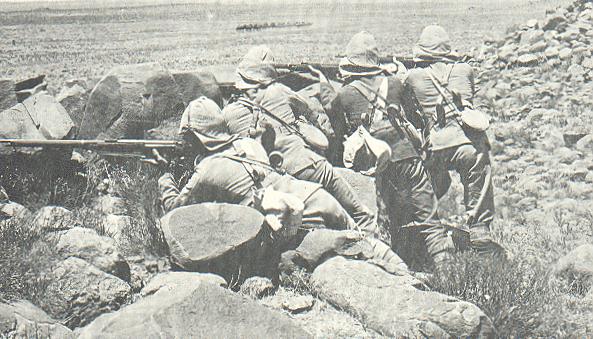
column 157, row 160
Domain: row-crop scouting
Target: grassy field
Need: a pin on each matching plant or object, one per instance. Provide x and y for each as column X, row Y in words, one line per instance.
column 82, row 39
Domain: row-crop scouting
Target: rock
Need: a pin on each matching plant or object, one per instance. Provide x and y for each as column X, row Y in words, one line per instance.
column 321, row 244
column 364, row 187
column 85, row 243
column 12, row 209
column 531, row 37
column 565, row 53
column 298, row 304
column 79, row 292
column 552, row 52
column 527, row 60
column 577, row 265
column 223, row 239
column 109, row 204
column 115, row 226
column 566, row 155
column 23, row 121
column 129, row 100
column 7, row 95
column 389, row 305
column 21, row 319
column 553, row 21
column 257, row 287
column 29, row 83
column 53, row 218
column 74, row 99
column 506, row 53
column 199, row 310
column 26, row 93
column 585, row 144
column 195, row 84
column 169, row 281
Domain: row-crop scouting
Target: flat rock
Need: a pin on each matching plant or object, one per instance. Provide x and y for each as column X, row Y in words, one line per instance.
column 79, row 292
column 85, row 243
column 527, row 60
column 389, row 305
column 129, row 100
column 223, row 239
column 199, row 309
column 298, row 304
column 21, row 319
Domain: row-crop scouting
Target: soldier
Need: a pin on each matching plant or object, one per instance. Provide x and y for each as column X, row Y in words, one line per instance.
column 404, row 190
column 452, row 145
column 230, row 169
column 275, row 103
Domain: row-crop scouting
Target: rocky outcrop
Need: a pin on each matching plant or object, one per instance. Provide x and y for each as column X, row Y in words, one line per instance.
column 225, row 239
column 79, row 292
column 390, row 305
column 129, row 100
column 196, row 308
column 74, row 96
column 85, row 243
column 21, row 319
column 7, row 96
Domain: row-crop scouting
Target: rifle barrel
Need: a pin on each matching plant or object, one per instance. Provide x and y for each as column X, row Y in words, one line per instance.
column 93, row 144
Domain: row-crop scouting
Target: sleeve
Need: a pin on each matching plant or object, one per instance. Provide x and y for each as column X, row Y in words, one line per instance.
column 171, row 197
column 327, row 95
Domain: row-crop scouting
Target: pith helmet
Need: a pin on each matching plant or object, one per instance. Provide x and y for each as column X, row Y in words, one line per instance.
column 256, row 68
column 434, row 44
column 362, row 56
column 204, row 119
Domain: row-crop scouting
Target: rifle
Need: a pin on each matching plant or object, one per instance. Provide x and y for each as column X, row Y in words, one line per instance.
column 141, row 148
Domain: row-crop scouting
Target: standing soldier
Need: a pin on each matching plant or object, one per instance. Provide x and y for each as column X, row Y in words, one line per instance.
column 284, row 110
column 440, row 92
column 404, row 191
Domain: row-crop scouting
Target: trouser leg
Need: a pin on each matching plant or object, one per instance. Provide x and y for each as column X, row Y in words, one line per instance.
column 322, row 208
column 404, row 196
column 324, row 173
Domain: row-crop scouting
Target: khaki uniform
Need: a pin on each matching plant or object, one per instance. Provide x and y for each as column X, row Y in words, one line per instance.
column 404, row 191
column 299, row 160
column 222, row 177
column 453, row 147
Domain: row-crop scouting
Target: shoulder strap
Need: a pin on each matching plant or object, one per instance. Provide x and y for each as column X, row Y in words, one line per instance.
column 443, row 90
column 378, row 101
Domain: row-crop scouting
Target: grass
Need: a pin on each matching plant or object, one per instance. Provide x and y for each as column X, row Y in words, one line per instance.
column 521, row 297
column 25, row 256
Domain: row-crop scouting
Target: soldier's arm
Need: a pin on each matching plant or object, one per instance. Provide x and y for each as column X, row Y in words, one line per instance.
column 171, row 197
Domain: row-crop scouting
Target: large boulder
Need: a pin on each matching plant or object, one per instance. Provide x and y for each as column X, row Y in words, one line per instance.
column 197, row 309
column 129, row 100
column 79, row 292
column 224, row 239
column 85, row 243
column 38, row 117
column 194, row 84
column 21, row 319
column 390, row 305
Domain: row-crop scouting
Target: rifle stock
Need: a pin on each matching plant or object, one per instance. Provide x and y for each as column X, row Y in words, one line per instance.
column 112, row 147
